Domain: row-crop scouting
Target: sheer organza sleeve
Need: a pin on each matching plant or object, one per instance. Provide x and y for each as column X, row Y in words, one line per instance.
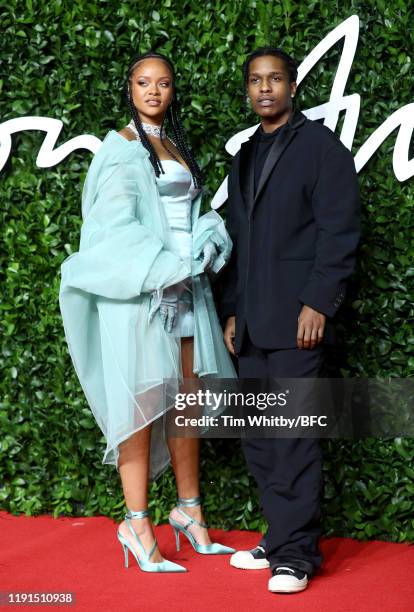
column 210, row 227
column 119, row 257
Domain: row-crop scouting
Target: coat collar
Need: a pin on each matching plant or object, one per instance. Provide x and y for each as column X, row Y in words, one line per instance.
column 247, row 154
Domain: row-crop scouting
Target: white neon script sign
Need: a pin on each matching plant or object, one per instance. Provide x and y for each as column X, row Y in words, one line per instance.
column 338, row 102
column 48, row 156
column 403, row 119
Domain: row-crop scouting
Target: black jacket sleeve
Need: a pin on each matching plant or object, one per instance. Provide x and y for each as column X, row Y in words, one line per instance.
column 336, row 208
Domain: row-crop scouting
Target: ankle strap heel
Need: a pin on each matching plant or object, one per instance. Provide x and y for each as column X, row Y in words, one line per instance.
column 143, row 560
column 205, row 549
column 189, row 502
column 137, row 515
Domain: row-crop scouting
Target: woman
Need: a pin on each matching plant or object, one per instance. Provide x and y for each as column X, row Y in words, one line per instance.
column 137, row 305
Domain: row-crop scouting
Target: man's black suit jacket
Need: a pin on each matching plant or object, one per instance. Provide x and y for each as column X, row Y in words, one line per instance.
column 295, row 239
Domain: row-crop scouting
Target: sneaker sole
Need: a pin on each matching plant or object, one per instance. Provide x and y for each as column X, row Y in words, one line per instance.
column 289, row 590
column 259, row 564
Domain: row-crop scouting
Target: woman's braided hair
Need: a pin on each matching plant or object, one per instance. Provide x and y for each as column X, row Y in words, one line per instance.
column 173, row 118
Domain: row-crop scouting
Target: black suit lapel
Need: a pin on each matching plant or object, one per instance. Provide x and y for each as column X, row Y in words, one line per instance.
column 279, row 146
column 246, row 170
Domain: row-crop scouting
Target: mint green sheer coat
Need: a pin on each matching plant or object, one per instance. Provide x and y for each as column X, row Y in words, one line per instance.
column 130, row 368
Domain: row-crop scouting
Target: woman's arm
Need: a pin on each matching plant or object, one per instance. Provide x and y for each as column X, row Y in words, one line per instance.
column 119, row 257
column 211, row 243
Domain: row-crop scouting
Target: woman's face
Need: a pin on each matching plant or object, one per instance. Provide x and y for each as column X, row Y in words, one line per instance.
column 268, row 86
column 151, row 87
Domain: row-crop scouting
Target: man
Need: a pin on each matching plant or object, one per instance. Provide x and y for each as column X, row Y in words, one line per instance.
column 293, row 215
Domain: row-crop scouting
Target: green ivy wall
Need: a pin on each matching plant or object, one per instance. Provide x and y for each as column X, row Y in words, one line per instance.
column 67, row 60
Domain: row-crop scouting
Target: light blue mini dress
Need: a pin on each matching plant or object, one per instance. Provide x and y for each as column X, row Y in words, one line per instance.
column 177, row 192
column 141, row 236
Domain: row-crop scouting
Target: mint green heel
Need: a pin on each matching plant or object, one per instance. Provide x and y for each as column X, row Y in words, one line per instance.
column 204, row 549
column 144, row 563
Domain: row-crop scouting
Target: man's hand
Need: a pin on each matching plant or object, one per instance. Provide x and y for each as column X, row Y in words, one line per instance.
column 311, row 326
column 229, row 333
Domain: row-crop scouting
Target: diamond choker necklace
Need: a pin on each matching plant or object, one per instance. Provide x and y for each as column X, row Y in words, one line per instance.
column 151, row 130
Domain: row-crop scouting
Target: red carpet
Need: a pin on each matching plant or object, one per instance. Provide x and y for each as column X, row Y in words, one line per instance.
column 82, row 555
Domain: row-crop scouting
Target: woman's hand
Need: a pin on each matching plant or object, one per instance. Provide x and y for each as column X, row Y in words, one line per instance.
column 167, row 307
column 168, row 310
column 209, row 255
column 229, row 334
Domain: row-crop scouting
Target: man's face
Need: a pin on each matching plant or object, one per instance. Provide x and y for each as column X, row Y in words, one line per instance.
column 268, row 87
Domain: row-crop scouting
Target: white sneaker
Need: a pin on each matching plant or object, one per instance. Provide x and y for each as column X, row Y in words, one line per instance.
column 288, row 580
column 250, row 559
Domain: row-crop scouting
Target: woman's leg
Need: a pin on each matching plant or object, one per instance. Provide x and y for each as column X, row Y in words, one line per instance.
column 134, row 454
column 185, row 458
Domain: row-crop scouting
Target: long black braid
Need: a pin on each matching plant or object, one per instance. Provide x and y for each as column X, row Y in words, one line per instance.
column 174, row 122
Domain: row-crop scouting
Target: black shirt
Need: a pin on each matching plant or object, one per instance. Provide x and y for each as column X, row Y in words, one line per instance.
column 263, row 143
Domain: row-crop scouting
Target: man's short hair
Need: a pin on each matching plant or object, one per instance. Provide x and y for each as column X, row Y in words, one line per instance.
column 290, row 63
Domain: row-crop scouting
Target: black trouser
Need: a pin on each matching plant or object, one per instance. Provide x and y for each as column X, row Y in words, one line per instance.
column 288, row 471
